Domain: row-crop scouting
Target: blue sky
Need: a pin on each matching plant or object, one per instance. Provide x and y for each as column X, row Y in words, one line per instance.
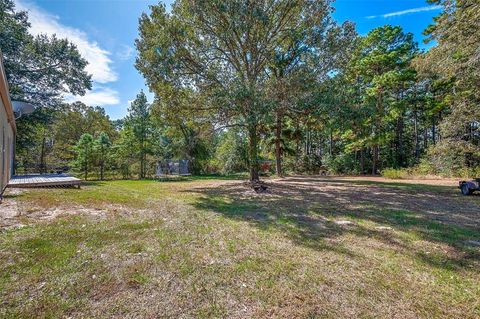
column 105, row 31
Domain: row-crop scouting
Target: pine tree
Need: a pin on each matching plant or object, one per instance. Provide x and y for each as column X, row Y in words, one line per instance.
column 139, row 122
column 102, row 150
column 84, row 150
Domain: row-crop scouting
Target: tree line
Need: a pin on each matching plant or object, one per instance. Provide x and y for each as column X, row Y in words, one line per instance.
column 273, row 86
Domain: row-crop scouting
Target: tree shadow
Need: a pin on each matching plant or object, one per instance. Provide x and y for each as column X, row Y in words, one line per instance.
column 206, row 177
column 307, row 211
column 12, row 196
column 93, row 183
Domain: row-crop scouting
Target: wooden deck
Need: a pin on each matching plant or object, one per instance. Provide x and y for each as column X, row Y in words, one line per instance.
column 25, row 181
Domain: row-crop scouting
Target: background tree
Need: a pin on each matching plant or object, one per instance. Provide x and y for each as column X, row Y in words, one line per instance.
column 382, row 63
column 71, row 121
column 222, row 49
column 84, row 151
column 457, row 34
column 39, row 70
column 231, row 152
column 139, row 122
column 124, row 154
column 102, row 151
column 314, row 48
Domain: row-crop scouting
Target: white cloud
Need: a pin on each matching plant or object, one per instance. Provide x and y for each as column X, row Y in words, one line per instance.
column 45, row 23
column 409, row 11
column 98, row 96
column 125, row 53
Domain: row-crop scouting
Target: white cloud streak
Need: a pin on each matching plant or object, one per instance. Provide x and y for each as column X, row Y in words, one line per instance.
column 125, row 53
column 408, row 11
column 99, row 96
column 99, row 62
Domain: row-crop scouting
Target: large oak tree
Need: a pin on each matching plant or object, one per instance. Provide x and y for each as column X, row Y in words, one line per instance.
column 224, row 50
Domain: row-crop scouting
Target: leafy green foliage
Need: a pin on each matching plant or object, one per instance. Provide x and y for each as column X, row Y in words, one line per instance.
column 228, row 51
column 240, row 83
column 84, row 151
column 102, row 146
column 456, row 31
column 138, row 121
column 381, row 68
column 39, row 69
column 231, row 153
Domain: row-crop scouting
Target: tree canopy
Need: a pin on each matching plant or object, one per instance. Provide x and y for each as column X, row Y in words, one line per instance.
column 268, row 87
column 228, row 51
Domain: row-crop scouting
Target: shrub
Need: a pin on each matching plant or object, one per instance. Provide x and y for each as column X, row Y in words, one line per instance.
column 341, row 164
column 231, row 155
column 393, row 173
column 310, row 164
column 454, row 158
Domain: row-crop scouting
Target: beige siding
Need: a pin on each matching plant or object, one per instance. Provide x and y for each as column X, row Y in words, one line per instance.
column 7, row 130
column 6, row 148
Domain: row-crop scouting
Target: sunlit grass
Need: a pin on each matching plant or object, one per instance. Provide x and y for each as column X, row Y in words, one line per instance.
column 210, row 248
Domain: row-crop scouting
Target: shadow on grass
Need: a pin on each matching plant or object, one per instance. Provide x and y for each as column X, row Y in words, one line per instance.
column 190, row 178
column 419, row 186
column 305, row 210
column 168, row 178
column 93, row 183
column 11, row 196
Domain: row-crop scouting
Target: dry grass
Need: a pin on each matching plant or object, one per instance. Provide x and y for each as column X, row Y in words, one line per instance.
column 211, row 248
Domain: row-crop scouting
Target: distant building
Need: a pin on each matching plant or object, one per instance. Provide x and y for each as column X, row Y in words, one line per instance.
column 7, row 131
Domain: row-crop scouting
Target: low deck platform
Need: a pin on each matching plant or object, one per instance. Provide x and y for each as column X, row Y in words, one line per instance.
column 45, row 180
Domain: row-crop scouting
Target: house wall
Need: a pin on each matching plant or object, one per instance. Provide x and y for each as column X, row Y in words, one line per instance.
column 7, row 132
column 6, row 148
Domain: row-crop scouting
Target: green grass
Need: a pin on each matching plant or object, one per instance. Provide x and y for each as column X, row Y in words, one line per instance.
column 209, row 248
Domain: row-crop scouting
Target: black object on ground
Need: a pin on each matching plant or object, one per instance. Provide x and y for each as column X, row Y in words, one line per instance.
column 468, row 187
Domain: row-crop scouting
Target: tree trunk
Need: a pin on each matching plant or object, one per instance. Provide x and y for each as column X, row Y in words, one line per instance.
column 141, row 164
column 297, row 146
column 102, row 165
column 253, row 152
column 42, row 157
column 331, row 141
column 362, row 161
column 425, row 138
column 400, row 151
column 142, row 152
column 374, row 159
column 86, row 168
column 278, row 141
column 434, row 131
column 377, row 128
column 417, row 141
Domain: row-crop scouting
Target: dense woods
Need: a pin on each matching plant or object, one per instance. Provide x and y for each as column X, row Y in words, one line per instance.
column 272, row 86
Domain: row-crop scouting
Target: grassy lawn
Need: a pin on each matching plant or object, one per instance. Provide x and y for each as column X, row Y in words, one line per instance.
column 204, row 247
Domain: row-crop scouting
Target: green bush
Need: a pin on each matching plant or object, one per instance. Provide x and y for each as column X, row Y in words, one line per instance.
column 454, row 158
column 231, row 155
column 341, row 164
column 424, row 169
column 310, row 164
column 393, row 173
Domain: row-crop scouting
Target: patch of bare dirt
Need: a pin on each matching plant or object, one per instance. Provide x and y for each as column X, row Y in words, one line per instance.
column 14, row 215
